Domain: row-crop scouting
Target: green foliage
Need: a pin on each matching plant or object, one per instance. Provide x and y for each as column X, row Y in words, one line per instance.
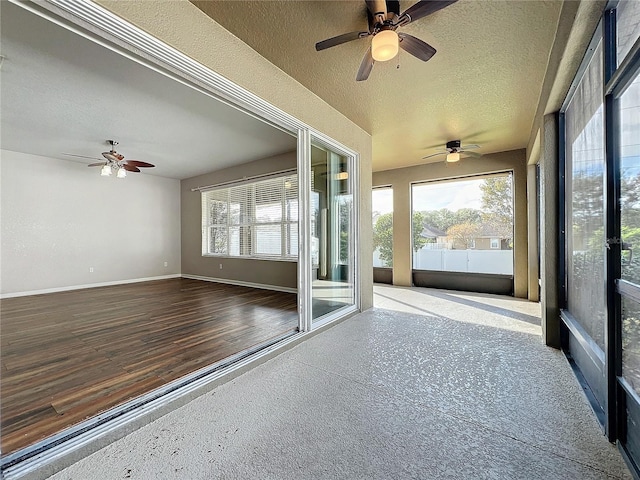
column 416, row 228
column 444, row 218
column 383, row 238
column 345, row 206
column 630, row 220
column 497, row 205
column 383, row 235
column 463, row 234
column 441, row 219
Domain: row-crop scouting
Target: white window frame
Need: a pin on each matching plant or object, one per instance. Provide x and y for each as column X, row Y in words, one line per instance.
column 497, row 243
column 249, row 223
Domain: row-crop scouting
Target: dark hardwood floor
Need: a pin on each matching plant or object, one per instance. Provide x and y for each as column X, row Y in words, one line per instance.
column 68, row 356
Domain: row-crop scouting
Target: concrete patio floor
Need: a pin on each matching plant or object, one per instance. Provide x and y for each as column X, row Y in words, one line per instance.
column 430, row 384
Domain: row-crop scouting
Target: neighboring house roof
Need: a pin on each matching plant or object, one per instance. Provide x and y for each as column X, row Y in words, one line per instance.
column 488, row 231
column 432, row 232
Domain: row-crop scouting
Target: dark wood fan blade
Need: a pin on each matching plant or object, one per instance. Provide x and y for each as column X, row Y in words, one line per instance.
column 416, row 47
column 80, row 156
column 435, row 154
column 130, row 168
column 422, row 9
column 365, row 66
column 112, row 156
column 138, row 163
column 340, row 39
column 470, row 154
column 101, row 164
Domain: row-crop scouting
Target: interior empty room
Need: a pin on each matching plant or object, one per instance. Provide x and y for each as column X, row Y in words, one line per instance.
column 302, row 213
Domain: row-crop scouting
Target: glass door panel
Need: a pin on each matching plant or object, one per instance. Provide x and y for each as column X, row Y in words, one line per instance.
column 585, row 314
column 630, row 181
column 332, row 247
column 628, row 111
column 585, row 162
column 631, row 343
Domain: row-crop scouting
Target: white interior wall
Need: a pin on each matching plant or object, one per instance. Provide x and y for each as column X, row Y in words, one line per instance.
column 59, row 218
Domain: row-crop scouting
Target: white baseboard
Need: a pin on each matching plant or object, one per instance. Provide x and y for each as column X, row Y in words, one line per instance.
column 88, row 285
column 241, row 283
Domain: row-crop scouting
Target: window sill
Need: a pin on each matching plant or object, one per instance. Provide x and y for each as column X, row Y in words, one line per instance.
column 252, row 257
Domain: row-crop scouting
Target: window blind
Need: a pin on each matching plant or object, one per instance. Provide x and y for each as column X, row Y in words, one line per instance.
column 255, row 219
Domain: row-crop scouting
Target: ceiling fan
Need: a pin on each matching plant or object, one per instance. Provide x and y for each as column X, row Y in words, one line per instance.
column 453, row 149
column 115, row 161
column 384, row 19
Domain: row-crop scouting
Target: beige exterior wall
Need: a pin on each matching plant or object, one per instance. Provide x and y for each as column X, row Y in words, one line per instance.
column 484, row 243
column 183, row 26
column 402, row 178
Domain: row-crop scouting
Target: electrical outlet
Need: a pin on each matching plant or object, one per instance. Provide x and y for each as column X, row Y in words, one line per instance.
column 220, row 266
column 166, row 264
column 90, row 269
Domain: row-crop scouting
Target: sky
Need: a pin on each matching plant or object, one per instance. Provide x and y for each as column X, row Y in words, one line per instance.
column 434, row 196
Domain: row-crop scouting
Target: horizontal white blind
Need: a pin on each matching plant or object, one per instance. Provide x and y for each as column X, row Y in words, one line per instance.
column 256, row 219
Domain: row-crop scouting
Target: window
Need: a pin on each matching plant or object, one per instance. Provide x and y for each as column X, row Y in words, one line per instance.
column 462, row 225
column 382, row 217
column 257, row 219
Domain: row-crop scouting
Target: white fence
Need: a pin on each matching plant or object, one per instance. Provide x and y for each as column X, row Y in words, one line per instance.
column 474, row 261
column 377, row 262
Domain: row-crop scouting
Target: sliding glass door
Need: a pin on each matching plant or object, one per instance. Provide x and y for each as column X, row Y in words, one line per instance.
column 628, row 285
column 332, row 239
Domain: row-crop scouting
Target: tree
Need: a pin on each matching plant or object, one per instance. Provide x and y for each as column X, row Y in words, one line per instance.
column 416, row 229
column 468, row 215
column 345, row 206
column 383, row 235
column 630, row 200
column 441, row 219
column 497, row 206
column 444, row 218
column 464, row 234
column 383, row 238
column 218, row 213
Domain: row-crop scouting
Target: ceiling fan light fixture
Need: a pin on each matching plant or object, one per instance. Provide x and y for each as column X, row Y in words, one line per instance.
column 121, row 173
column 106, row 171
column 384, row 45
column 453, row 157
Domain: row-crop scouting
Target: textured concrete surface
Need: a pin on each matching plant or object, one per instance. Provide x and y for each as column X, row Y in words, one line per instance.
column 431, row 384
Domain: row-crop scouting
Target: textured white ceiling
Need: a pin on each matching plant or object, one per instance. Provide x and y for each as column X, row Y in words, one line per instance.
column 482, row 86
column 62, row 93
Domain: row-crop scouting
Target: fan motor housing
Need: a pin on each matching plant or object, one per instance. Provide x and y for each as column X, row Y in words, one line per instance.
column 453, row 144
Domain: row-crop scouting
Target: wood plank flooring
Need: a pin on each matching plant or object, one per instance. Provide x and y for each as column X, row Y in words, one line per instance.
column 68, row 356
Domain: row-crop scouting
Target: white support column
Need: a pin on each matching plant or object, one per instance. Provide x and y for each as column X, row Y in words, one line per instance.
column 304, row 230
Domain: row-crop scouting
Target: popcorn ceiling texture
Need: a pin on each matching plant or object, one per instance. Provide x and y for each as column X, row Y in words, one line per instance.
column 483, row 84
